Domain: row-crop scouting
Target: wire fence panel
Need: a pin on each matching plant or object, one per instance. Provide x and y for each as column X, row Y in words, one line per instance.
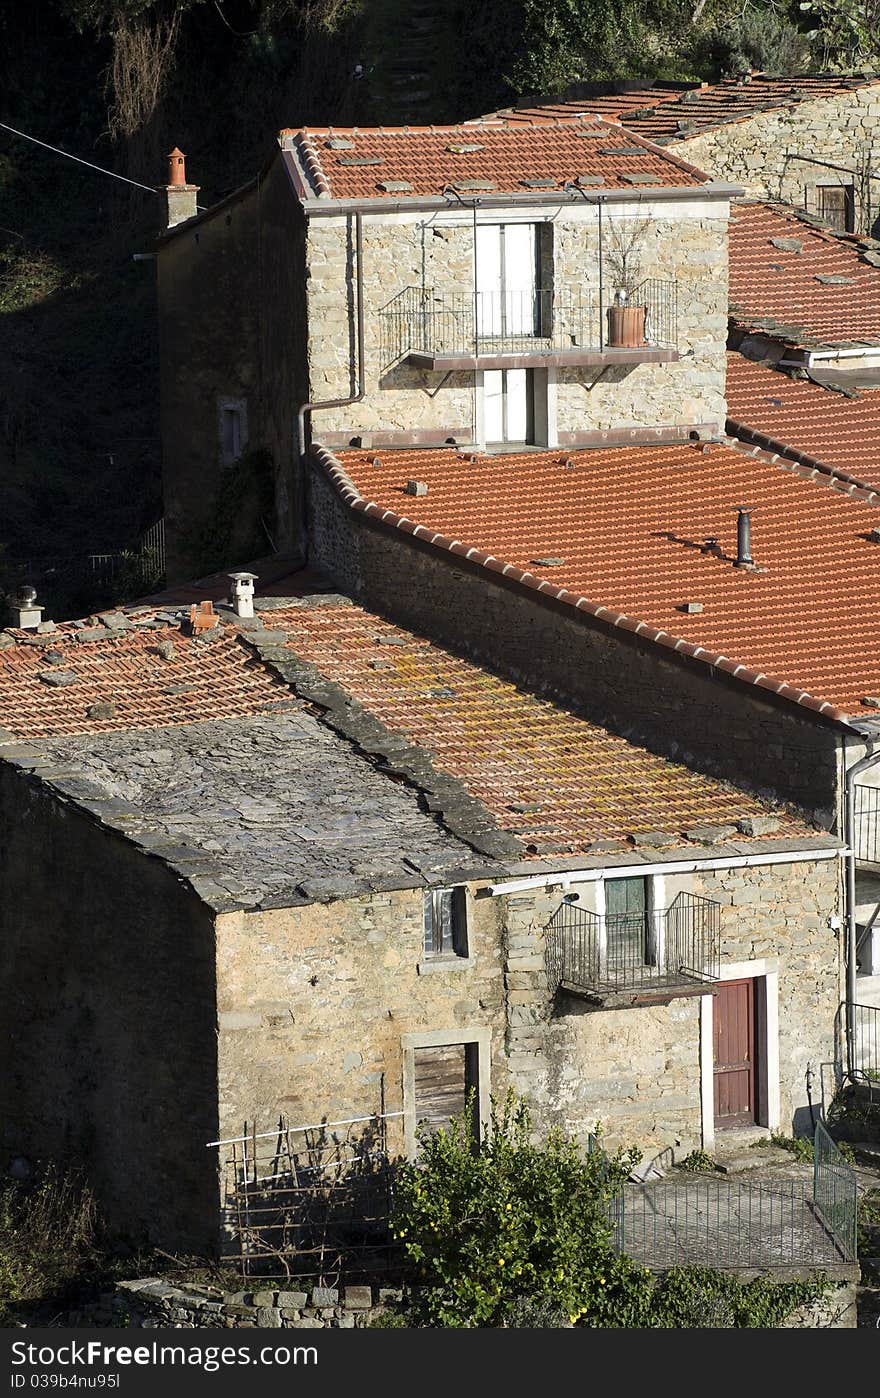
column 866, row 1041
column 312, row 1202
column 835, row 1191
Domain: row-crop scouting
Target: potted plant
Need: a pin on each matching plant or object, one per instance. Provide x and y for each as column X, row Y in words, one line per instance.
column 623, row 259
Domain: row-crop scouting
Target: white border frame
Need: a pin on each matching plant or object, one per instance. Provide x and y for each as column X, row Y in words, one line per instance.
column 766, row 969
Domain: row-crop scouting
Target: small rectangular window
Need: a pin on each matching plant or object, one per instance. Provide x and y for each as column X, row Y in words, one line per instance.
column 232, row 426
column 446, row 922
column 837, row 206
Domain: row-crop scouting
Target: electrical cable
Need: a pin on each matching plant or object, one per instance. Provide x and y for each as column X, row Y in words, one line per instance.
column 100, row 168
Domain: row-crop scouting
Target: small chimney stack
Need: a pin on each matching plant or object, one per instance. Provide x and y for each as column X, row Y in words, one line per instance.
column 242, row 599
column 179, row 197
column 27, row 612
column 744, row 540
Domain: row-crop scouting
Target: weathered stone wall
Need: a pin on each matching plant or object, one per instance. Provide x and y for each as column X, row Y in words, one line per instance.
column 231, row 317
column 107, row 1055
column 313, row 1003
column 679, row 242
column 153, row 1304
column 637, row 1070
column 683, row 709
column 758, row 152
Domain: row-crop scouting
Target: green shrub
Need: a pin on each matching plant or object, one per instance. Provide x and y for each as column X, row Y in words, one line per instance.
column 699, row 1162
column 491, row 1225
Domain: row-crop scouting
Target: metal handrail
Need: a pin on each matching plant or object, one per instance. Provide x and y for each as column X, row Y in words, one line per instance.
column 624, row 951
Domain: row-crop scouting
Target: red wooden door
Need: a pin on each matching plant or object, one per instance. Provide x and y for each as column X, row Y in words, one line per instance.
column 734, row 1023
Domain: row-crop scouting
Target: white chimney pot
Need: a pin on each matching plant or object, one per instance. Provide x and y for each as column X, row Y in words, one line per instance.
column 27, row 612
column 243, row 593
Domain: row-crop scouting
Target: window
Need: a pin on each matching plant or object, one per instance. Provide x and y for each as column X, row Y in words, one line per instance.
column 626, row 923
column 232, row 428
column 440, row 1068
column 508, row 405
column 446, row 922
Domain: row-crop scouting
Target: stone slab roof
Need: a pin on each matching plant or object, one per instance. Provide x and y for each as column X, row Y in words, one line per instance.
column 254, row 812
column 397, row 163
column 672, row 114
column 799, row 281
column 635, row 535
column 798, row 417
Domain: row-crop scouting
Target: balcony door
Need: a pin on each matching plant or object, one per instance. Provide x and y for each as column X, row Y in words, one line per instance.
column 626, row 924
column 507, row 280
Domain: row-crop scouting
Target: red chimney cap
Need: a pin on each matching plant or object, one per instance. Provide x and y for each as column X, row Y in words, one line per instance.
column 176, row 167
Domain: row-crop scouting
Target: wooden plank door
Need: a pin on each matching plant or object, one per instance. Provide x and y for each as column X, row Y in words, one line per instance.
column 734, row 1025
column 837, row 206
column 443, row 1078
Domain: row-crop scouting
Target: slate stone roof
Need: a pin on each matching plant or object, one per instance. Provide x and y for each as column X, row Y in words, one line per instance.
column 257, row 812
column 352, row 756
column 406, row 162
column 801, row 283
column 672, row 114
column 800, row 418
column 624, row 534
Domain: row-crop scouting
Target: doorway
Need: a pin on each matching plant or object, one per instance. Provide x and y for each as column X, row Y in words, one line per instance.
column 735, row 1052
column 508, row 406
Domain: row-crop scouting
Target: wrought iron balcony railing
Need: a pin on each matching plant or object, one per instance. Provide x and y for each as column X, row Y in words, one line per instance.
column 667, row 947
column 866, row 836
column 432, row 324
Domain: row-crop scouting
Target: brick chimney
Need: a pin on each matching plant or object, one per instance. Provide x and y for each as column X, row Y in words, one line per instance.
column 180, row 197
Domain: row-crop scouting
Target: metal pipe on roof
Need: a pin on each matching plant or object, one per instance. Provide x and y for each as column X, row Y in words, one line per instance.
column 360, row 391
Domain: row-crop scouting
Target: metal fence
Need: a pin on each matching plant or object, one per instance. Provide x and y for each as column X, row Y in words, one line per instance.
column 631, row 951
column 311, row 1201
column 865, row 1029
column 427, row 321
column 146, row 562
column 743, row 1224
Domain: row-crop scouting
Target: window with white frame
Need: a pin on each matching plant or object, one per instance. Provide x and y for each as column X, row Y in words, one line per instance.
column 445, row 922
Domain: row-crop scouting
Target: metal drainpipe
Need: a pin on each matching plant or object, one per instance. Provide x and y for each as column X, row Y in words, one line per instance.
column 361, row 387
column 869, row 760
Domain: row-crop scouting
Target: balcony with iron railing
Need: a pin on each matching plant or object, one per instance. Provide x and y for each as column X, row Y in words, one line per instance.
column 449, row 330
column 631, row 958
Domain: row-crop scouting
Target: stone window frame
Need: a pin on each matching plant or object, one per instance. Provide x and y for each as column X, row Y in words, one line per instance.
column 473, row 1035
column 238, row 406
column 458, row 957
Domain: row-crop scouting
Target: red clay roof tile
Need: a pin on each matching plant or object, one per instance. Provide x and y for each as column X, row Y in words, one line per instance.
column 842, row 433
column 502, row 158
column 631, row 523
column 778, row 288
column 550, row 778
column 659, row 114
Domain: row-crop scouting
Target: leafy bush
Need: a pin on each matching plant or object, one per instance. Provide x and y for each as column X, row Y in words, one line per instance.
column 491, row 1225
column 504, row 1232
column 48, row 1235
column 699, row 1162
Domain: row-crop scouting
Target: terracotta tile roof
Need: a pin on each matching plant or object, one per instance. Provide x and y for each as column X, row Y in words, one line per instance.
column 407, row 162
column 782, row 289
column 842, row 433
column 550, row 778
column 199, row 680
column 661, row 114
column 630, row 525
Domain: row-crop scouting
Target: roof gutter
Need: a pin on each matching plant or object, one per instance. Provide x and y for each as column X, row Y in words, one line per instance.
column 308, row 408
column 331, row 208
column 677, row 866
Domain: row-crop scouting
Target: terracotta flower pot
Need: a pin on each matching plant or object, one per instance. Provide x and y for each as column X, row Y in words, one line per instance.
column 626, row 326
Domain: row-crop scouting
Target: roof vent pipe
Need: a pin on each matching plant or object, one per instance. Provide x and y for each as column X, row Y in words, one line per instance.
column 27, row 612
column 744, row 540
column 242, row 598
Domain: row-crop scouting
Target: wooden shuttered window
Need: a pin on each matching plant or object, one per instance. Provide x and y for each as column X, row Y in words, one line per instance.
column 446, row 922
column 444, row 1076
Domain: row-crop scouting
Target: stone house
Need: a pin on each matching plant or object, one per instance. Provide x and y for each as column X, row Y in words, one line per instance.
column 810, row 141
column 551, row 285
column 314, row 866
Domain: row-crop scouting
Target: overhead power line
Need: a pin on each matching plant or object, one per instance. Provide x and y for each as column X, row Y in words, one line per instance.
column 57, row 150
